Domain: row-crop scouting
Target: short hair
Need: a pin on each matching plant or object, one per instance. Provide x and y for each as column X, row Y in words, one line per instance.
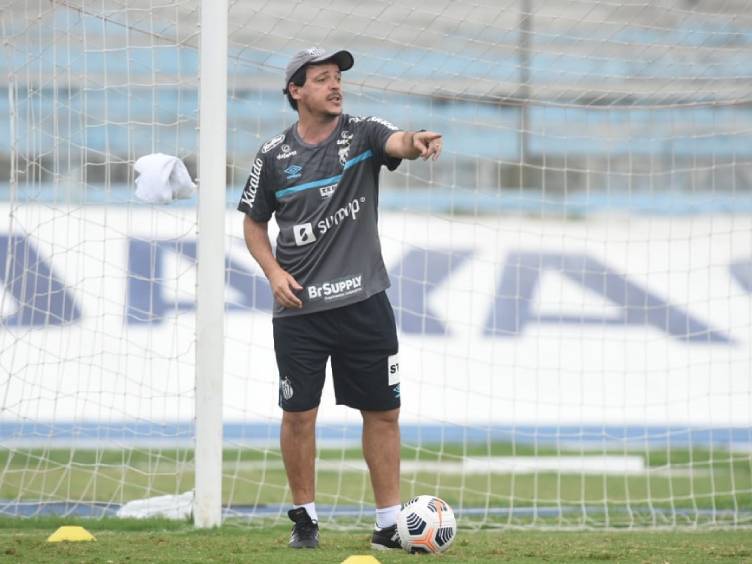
column 298, row 79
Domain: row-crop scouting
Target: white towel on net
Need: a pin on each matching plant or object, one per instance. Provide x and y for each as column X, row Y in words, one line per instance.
column 162, row 179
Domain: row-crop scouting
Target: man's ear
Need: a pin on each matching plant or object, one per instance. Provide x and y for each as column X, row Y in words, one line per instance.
column 294, row 91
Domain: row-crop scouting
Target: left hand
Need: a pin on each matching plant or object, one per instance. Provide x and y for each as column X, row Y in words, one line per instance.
column 428, row 143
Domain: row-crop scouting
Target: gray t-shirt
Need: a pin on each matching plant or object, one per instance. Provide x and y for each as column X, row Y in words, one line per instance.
column 325, row 198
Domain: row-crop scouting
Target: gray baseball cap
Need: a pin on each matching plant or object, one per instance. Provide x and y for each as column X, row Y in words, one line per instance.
column 343, row 59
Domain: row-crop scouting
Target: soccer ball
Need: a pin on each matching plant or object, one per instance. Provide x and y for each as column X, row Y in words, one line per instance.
column 426, row 524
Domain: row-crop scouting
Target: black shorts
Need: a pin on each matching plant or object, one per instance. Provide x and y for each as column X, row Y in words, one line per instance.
column 361, row 339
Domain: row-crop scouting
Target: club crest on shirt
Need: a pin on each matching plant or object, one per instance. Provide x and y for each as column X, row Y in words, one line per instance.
column 343, row 142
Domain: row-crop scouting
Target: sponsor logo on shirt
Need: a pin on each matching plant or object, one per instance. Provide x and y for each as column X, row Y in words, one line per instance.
column 336, row 289
column 303, row 234
column 351, row 210
column 273, row 142
column 356, row 119
column 327, row 191
column 294, row 171
column 285, row 152
column 249, row 194
column 383, row 122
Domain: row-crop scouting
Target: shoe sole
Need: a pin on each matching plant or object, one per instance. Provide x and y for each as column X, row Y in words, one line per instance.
column 376, row 546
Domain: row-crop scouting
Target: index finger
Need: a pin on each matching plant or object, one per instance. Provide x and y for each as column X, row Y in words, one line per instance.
column 293, row 300
column 430, row 135
column 285, row 296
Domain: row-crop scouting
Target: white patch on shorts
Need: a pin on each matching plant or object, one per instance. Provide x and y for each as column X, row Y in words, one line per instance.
column 393, row 368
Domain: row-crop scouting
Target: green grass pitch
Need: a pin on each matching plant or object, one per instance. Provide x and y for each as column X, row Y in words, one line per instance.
column 682, row 486
column 704, row 493
column 24, row 540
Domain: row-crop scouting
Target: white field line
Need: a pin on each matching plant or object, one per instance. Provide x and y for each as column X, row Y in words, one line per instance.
column 598, row 465
column 530, row 465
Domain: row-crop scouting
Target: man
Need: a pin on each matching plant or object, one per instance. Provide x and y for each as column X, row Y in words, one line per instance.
column 320, row 179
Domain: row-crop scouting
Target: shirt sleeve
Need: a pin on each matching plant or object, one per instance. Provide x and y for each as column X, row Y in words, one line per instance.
column 378, row 131
column 257, row 200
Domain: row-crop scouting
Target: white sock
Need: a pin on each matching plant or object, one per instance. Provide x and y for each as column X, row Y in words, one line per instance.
column 311, row 510
column 387, row 516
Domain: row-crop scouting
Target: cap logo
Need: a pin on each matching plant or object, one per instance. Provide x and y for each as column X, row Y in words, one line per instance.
column 314, row 52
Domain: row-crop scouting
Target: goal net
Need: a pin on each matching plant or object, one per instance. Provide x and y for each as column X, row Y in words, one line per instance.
column 572, row 280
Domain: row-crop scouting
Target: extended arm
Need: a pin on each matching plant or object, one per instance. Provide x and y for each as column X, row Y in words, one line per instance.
column 282, row 283
column 414, row 144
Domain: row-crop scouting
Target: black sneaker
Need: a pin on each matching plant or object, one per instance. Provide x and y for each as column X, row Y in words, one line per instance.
column 386, row 538
column 305, row 532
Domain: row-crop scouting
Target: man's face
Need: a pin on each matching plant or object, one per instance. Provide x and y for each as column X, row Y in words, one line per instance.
column 322, row 91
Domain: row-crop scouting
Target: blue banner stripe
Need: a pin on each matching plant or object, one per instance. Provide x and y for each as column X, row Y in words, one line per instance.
column 361, row 157
column 324, row 181
column 307, row 186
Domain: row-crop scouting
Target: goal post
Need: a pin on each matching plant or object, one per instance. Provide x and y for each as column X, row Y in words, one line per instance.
column 210, row 280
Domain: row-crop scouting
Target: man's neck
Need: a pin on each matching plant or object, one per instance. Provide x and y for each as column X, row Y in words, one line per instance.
column 314, row 130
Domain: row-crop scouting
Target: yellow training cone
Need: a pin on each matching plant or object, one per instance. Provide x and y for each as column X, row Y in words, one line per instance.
column 70, row 533
column 360, row 559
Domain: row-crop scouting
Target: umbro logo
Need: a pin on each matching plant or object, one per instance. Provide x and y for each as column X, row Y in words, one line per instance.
column 293, row 171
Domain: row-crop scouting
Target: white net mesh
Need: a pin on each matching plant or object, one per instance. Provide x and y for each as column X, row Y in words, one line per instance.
column 571, row 280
